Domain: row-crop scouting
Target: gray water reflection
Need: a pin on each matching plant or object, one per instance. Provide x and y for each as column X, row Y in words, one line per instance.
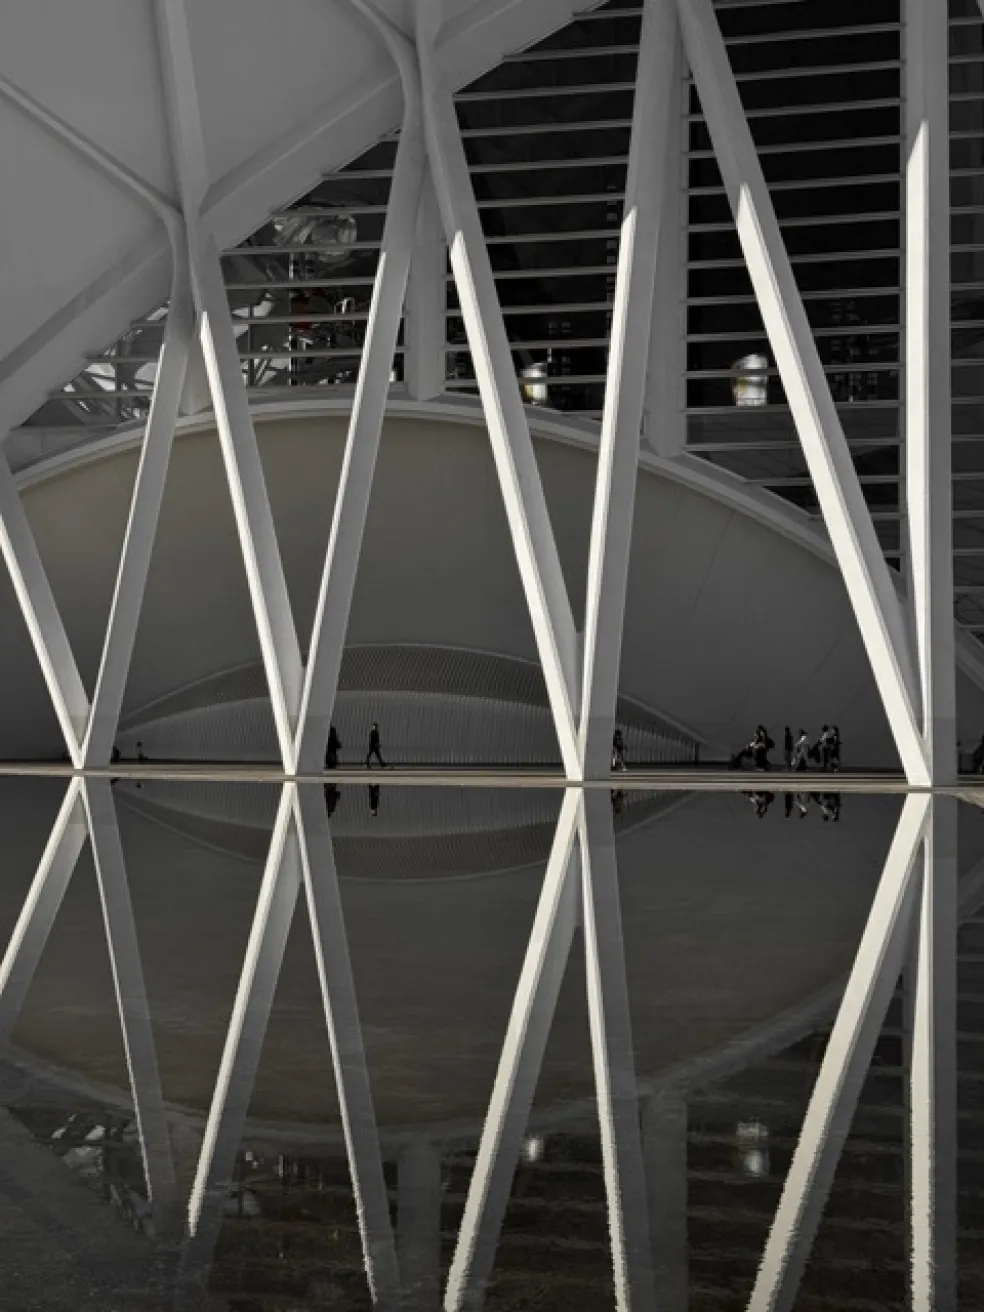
column 732, row 939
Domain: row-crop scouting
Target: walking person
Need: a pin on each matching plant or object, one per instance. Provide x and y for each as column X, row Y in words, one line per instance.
column 787, row 748
column 977, row 760
column 801, row 752
column 374, row 748
column 822, row 751
column 333, row 748
column 618, row 750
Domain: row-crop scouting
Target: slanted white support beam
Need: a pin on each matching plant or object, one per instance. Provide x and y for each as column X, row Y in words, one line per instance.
column 334, row 601
column 867, row 994
column 131, row 994
column 425, row 321
column 512, row 447
column 613, row 1057
column 929, row 489
column 334, row 965
column 664, row 423
column 625, row 385
column 932, row 1100
column 244, row 469
column 41, row 615
column 244, row 1039
column 519, row 1068
column 145, row 507
column 864, row 571
column 30, row 934
column 250, row 502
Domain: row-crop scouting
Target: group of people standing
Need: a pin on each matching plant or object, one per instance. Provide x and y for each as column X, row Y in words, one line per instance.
column 798, row 751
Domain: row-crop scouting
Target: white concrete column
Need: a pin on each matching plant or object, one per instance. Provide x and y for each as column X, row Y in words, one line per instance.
column 44, row 897
column 867, row 994
column 131, row 996
column 425, row 323
column 519, row 477
column 625, row 386
column 331, row 954
column 932, row 1098
column 244, row 1040
column 145, row 508
column 418, row 1224
column 929, row 489
column 337, row 586
column 519, row 1069
column 613, row 1057
column 41, row 615
column 852, row 535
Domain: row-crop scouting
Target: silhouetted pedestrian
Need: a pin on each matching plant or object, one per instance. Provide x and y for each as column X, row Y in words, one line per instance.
column 374, row 748
column 761, row 746
column 618, row 750
column 332, row 749
column 835, row 748
column 977, row 760
column 787, row 748
column 801, row 752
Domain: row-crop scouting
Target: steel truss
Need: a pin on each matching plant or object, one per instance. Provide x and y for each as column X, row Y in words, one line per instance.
column 909, row 645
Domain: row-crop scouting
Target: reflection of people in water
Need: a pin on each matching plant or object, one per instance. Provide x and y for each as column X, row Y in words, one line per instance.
column 761, row 802
column 374, row 800
column 830, row 806
column 618, row 801
column 332, row 795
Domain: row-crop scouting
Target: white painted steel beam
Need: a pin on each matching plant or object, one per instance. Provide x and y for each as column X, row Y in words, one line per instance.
column 614, row 1058
column 929, row 489
column 932, row 1100
column 337, row 586
column 862, row 564
column 355, row 1103
column 519, row 1068
column 867, row 994
column 141, row 528
column 244, row 1040
column 425, row 324
column 625, row 386
column 30, row 933
column 512, row 447
column 131, row 993
column 41, row 615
